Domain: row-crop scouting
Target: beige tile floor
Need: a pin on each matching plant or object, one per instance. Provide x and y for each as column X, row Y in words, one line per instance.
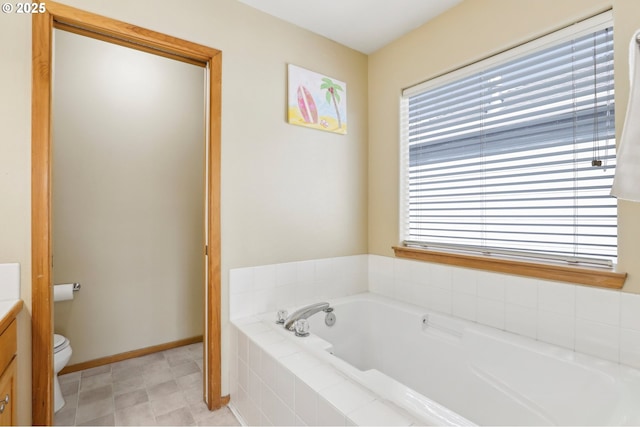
column 162, row 388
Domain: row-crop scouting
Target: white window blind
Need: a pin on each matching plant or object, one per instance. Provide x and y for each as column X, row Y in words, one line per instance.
column 517, row 157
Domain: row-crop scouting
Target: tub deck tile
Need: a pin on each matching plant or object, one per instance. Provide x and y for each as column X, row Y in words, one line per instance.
column 321, row 377
column 377, row 413
column 282, row 349
column 301, row 362
column 347, row 396
column 253, row 328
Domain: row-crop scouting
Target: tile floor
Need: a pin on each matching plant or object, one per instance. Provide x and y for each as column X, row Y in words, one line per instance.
column 162, row 388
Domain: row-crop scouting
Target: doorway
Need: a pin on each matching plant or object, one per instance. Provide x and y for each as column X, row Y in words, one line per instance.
column 128, row 197
column 95, row 26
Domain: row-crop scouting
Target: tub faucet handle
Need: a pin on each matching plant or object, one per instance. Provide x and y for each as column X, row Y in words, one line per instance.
column 301, row 327
column 282, row 316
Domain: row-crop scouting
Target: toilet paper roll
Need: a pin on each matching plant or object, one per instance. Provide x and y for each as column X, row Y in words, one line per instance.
column 63, row 292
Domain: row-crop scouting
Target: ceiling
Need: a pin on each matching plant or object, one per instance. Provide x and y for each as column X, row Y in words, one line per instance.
column 363, row 25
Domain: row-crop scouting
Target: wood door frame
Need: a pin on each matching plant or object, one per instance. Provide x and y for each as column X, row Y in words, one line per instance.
column 41, row 150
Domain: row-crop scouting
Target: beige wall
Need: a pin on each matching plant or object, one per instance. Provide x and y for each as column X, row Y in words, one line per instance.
column 474, row 30
column 128, row 196
column 15, row 181
column 288, row 193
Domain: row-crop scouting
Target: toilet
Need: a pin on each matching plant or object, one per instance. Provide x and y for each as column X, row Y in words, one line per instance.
column 61, row 356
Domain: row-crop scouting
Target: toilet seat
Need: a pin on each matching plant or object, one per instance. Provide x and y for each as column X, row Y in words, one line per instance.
column 59, row 343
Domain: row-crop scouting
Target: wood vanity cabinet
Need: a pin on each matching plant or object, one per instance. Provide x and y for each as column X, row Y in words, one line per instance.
column 8, row 380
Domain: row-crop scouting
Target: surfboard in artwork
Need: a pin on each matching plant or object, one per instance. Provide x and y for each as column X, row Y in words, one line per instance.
column 316, row 101
column 307, row 105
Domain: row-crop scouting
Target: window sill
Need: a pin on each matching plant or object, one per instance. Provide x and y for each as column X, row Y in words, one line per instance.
column 599, row 277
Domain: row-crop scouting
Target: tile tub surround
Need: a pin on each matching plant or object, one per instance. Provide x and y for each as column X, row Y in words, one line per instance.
column 256, row 290
column 274, row 381
column 598, row 322
column 270, row 381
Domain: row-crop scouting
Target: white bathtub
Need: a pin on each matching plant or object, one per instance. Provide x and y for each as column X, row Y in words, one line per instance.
column 442, row 370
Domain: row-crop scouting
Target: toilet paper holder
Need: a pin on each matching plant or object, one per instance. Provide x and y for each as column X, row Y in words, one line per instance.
column 76, row 287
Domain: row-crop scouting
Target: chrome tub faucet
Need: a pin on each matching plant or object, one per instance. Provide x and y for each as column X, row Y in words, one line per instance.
column 305, row 312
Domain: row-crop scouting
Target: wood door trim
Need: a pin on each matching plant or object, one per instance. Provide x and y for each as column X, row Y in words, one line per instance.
column 41, row 292
column 125, row 43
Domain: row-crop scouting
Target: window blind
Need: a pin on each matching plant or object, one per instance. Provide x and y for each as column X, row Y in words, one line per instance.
column 517, row 157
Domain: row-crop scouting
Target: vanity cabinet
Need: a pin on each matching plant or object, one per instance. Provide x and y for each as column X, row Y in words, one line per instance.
column 8, row 380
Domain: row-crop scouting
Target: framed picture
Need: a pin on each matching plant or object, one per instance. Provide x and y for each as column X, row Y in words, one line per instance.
column 316, row 101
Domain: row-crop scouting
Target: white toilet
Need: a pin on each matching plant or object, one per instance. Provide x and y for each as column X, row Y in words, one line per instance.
column 61, row 356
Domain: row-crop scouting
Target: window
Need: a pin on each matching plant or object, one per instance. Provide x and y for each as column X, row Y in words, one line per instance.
column 515, row 155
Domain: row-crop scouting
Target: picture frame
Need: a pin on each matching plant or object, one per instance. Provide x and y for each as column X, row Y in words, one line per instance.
column 316, row 101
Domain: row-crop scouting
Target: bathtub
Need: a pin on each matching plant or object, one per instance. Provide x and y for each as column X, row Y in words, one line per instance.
column 438, row 370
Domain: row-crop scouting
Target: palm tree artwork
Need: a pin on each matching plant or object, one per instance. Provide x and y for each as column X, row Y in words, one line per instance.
column 332, row 94
column 306, row 105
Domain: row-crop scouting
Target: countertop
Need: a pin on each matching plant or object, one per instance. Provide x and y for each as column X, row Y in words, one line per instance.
column 9, row 309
